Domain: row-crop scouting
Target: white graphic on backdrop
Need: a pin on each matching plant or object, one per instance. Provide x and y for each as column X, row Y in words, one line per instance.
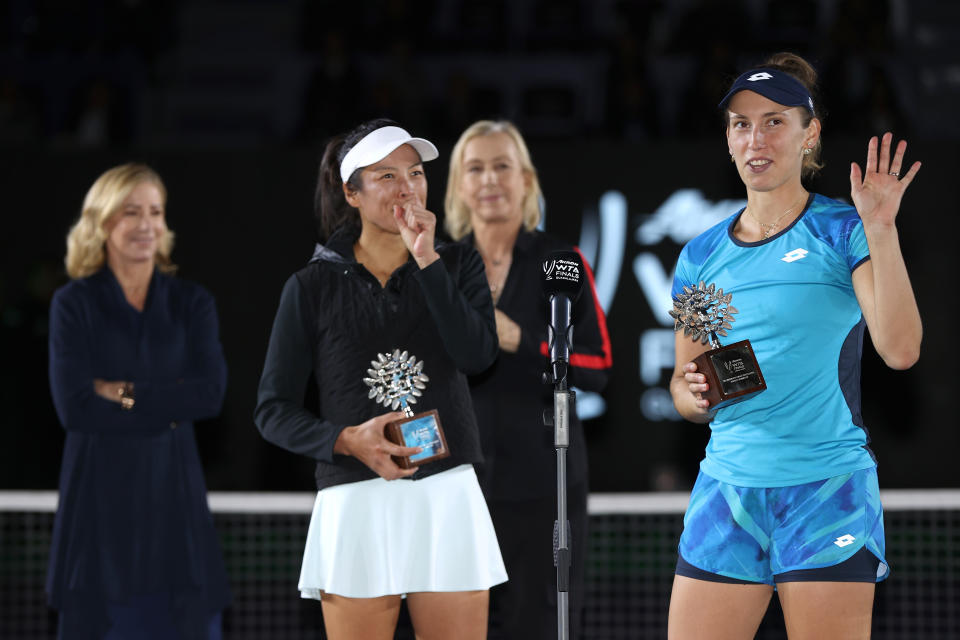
column 603, row 239
column 607, row 230
column 681, row 217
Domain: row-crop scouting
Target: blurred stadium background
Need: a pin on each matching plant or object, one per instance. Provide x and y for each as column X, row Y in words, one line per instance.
column 232, row 102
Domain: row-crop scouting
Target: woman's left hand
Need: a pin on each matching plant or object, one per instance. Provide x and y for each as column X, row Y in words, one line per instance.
column 876, row 193
column 417, row 227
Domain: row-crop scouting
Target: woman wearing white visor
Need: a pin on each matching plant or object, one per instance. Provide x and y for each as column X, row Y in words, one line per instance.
column 380, row 283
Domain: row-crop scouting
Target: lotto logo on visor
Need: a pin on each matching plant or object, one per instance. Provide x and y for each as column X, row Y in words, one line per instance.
column 778, row 86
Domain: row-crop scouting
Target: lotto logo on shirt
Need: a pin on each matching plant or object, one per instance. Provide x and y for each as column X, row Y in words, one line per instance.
column 796, row 254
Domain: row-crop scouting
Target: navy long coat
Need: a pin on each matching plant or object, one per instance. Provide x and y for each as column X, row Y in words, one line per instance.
column 132, row 516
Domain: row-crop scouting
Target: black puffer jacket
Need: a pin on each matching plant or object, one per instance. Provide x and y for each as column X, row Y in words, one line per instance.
column 334, row 318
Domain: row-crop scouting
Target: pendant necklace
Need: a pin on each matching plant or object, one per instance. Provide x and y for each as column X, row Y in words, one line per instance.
column 496, row 285
column 768, row 227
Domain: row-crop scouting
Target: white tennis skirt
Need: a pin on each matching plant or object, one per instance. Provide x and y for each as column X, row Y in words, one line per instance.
column 374, row 538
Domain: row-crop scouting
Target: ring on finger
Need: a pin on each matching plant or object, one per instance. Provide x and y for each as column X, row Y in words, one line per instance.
column 895, row 174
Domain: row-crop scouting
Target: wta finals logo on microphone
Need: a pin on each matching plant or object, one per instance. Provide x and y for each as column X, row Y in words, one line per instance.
column 561, row 286
column 560, row 270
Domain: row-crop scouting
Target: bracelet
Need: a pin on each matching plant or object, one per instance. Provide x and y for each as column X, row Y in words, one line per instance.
column 127, row 397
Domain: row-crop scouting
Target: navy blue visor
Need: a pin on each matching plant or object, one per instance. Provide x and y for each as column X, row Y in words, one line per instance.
column 778, row 86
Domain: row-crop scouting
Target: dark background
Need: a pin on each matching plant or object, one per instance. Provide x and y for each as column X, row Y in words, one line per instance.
column 232, row 102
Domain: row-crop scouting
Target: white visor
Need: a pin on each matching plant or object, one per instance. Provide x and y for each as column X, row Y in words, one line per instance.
column 380, row 143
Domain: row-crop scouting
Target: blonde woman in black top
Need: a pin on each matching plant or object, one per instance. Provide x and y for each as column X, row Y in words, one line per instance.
column 493, row 204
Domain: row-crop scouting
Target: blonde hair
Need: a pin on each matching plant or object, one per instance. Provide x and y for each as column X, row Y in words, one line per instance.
column 457, row 219
column 88, row 236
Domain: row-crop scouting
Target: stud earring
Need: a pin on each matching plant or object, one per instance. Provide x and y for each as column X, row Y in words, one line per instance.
column 807, row 151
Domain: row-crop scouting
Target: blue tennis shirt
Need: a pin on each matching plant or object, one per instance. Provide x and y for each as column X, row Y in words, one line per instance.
column 798, row 309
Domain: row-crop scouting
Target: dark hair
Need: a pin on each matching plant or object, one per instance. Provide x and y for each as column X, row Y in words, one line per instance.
column 330, row 208
column 803, row 71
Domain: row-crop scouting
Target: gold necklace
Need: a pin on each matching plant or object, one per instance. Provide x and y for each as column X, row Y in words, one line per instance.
column 768, row 227
column 495, row 292
column 496, row 285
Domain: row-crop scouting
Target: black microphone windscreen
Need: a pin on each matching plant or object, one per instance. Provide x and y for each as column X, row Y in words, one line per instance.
column 563, row 273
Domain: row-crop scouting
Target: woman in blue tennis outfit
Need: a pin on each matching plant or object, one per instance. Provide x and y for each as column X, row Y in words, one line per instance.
column 787, row 494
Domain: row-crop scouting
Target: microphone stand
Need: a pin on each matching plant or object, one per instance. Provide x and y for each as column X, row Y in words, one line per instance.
column 562, row 285
column 563, row 403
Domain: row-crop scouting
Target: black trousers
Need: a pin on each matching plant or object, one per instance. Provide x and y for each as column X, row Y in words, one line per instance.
column 525, row 607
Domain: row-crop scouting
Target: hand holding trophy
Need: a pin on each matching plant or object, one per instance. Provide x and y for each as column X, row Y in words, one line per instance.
column 732, row 372
column 396, row 381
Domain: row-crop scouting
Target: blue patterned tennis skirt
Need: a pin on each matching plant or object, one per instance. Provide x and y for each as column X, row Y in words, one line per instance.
column 755, row 534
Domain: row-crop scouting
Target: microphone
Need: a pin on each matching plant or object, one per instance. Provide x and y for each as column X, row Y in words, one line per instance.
column 563, row 276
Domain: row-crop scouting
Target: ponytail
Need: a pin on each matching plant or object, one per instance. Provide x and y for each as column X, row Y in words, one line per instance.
column 330, row 208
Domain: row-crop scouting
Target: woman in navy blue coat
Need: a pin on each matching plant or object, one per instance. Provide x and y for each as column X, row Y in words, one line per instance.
column 135, row 358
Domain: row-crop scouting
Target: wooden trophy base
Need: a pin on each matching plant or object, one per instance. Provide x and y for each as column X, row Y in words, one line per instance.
column 421, row 430
column 732, row 373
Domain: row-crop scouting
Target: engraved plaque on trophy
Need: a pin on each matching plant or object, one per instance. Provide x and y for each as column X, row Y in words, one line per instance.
column 396, row 381
column 732, row 372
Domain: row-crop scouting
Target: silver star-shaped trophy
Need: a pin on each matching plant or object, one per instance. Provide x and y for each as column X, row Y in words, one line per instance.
column 396, row 381
column 732, row 372
column 703, row 312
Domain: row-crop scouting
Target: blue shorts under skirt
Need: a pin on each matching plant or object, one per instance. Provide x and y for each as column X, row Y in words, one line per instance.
column 757, row 534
